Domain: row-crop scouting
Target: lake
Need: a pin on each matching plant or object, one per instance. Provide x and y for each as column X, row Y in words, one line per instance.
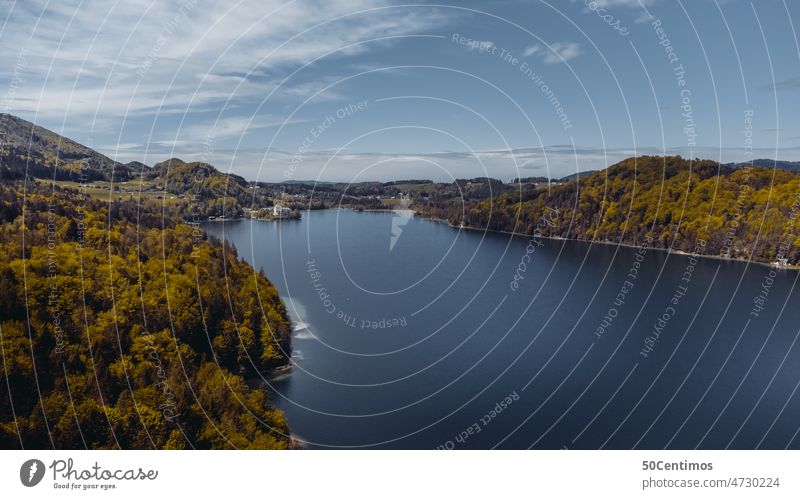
column 415, row 335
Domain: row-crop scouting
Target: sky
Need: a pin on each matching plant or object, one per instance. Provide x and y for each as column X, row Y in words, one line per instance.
column 352, row 90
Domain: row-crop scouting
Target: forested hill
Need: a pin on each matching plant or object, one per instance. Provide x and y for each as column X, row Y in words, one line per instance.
column 666, row 202
column 123, row 329
column 28, row 149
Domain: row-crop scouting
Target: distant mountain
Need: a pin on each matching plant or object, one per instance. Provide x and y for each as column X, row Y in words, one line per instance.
column 407, row 182
column 306, row 182
column 135, row 167
column 29, row 149
column 792, row 166
column 538, row 180
column 530, row 180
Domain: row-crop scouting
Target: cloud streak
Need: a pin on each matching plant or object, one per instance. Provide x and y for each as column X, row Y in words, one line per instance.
column 555, row 53
column 147, row 56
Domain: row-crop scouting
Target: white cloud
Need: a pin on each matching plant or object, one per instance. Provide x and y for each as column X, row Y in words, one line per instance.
column 529, row 51
column 554, row 53
column 122, row 146
column 232, row 126
column 562, row 52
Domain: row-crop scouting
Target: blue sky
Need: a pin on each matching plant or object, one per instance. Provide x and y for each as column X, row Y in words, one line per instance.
column 363, row 90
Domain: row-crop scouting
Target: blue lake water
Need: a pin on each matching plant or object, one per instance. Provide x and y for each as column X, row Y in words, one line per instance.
column 424, row 342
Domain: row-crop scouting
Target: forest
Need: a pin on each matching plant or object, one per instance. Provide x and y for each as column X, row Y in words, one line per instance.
column 121, row 327
column 741, row 212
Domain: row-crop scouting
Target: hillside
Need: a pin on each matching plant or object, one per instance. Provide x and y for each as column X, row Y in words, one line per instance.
column 664, row 202
column 41, row 153
column 123, row 328
column 208, row 192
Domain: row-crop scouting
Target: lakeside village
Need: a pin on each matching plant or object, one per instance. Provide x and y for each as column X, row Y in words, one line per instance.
column 280, row 209
column 276, row 212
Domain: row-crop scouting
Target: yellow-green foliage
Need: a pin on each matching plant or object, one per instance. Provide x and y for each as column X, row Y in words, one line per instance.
column 740, row 213
column 120, row 327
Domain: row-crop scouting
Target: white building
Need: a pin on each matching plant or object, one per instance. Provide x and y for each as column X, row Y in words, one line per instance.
column 281, row 211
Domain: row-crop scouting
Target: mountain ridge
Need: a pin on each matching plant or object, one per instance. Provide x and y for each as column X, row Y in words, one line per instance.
column 29, row 149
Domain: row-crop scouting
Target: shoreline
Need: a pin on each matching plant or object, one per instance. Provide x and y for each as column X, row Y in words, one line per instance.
column 551, row 238
column 612, row 243
column 240, row 219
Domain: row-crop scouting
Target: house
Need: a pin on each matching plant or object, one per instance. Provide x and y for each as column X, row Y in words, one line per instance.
column 281, row 211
